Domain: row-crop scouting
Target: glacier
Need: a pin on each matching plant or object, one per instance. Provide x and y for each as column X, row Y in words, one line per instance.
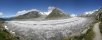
column 49, row 29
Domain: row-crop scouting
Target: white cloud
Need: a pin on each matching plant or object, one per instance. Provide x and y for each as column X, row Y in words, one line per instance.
column 90, row 12
column 43, row 13
column 21, row 12
column 25, row 11
column 49, row 10
column 1, row 14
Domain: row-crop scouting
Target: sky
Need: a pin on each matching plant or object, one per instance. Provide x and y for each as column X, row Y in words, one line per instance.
column 11, row 7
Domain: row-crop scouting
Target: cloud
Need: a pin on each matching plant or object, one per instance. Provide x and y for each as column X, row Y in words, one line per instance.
column 90, row 12
column 1, row 14
column 50, row 8
column 43, row 13
column 25, row 11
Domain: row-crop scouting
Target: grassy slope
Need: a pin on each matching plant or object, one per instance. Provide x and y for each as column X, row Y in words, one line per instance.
column 4, row 34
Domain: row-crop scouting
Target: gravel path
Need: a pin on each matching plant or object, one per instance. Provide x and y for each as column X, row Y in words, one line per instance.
column 97, row 32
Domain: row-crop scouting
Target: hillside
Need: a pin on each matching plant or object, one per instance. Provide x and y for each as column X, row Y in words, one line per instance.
column 5, row 34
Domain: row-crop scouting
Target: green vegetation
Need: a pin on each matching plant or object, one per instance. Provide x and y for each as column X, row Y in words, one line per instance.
column 5, row 35
column 100, row 26
column 89, row 35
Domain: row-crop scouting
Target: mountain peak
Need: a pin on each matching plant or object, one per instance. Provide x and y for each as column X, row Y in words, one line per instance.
column 25, row 11
column 30, row 14
column 56, row 13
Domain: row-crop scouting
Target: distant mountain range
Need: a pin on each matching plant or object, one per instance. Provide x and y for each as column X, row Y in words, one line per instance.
column 94, row 14
column 55, row 14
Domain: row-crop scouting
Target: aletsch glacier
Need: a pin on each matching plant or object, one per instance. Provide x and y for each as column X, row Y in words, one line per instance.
column 49, row 29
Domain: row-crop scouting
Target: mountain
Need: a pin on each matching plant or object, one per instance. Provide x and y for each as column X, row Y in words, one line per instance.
column 96, row 14
column 55, row 14
column 31, row 14
column 99, row 14
column 89, row 13
column 100, row 9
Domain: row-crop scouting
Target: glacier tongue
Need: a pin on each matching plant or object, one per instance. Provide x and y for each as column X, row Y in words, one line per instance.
column 48, row 30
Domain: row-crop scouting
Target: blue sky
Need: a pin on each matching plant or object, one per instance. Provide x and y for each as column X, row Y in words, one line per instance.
column 11, row 7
